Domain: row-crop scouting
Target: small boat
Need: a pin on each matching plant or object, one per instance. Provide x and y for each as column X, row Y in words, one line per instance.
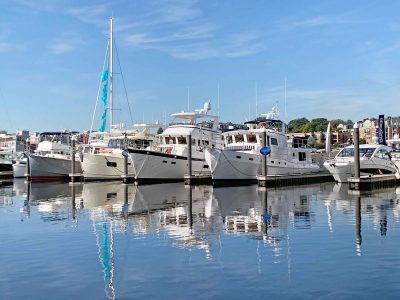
column 374, row 159
column 52, row 159
column 19, row 165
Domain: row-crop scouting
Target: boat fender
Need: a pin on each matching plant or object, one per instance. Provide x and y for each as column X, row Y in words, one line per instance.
column 265, row 151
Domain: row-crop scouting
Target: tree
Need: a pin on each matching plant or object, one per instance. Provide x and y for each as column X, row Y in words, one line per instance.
column 297, row 125
column 319, row 124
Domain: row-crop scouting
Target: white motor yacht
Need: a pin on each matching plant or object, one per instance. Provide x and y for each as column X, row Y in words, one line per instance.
column 52, row 159
column 170, row 160
column 374, row 159
column 240, row 158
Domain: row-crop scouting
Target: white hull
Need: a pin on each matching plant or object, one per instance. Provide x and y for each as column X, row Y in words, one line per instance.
column 149, row 165
column 50, row 168
column 342, row 170
column 100, row 166
column 19, row 169
column 232, row 165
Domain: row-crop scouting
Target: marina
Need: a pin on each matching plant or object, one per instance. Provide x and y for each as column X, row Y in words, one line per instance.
column 185, row 149
column 264, row 240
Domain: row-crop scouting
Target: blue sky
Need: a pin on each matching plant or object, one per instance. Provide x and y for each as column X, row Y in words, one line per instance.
column 341, row 59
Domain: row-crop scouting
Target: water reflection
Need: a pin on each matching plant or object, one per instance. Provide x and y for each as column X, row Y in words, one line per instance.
column 204, row 219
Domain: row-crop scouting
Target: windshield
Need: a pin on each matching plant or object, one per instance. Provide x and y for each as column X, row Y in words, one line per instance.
column 348, row 152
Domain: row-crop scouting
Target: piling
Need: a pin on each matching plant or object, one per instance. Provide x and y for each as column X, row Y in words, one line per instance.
column 262, row 180
column 188, row 178
column 126, row 177
column 356, row 136
column 73, row 176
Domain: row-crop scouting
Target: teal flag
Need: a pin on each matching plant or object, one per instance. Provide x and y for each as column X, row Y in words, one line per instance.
column 104, row 81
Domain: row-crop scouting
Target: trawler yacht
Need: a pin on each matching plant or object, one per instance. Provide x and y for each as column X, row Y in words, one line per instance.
column 169, row 160
column 374, row 159
column 52, row 158
column 240, row 158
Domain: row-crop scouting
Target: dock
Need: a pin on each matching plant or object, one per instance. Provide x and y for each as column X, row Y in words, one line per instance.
column 290, row 180
column 198, row 178
column 372, row 182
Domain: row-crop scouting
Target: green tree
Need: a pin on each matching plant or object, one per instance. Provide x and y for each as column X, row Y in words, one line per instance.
column 319, row 124
column 297, row 125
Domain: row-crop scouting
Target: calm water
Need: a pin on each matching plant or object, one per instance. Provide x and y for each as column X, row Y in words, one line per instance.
column 110, row 241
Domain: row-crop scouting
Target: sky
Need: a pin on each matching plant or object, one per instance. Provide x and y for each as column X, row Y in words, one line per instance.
column 339, row 59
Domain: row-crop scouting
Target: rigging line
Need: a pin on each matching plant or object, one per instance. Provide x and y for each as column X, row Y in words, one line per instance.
column 123, row 82
column 100, row 84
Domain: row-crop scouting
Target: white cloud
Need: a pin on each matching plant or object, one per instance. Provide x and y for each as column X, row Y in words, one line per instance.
column 67, row 43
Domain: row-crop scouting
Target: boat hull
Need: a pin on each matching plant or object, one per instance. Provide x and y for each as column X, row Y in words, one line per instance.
column 154, row 165
column 44, row 168
column 234, row 165
column 19, row 169
column 342, row 170
column 104, row 167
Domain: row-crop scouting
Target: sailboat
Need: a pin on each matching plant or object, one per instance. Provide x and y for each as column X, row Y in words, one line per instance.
column 103, row 158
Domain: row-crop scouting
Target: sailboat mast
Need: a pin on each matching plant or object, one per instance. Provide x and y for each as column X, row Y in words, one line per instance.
column 110, row 87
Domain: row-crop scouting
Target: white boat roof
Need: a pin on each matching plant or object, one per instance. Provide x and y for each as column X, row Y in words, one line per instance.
column 178, row 130
column 192, row 116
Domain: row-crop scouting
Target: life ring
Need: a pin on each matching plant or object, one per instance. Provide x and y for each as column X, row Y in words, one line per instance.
column 168, row 150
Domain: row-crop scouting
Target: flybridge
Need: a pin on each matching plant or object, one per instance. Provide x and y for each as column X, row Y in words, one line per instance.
column 198, row 114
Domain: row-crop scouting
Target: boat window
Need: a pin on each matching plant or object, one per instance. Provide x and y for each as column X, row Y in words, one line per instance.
column 205, row 143
column 228, row 139
column 346, row 152
column 169, row 140
column 251, row 138
column 302, row 156
column 383, row 154
column 274, row 141
column 239, row 138
column 182, row 140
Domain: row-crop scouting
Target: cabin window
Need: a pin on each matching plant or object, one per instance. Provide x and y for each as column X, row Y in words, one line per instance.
column 302, row 156
column 182, row 140
column 251, row 138
column 228, row 139
column 205, row 143
column 274, row 141
column 169, row 140
column 239, row 138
